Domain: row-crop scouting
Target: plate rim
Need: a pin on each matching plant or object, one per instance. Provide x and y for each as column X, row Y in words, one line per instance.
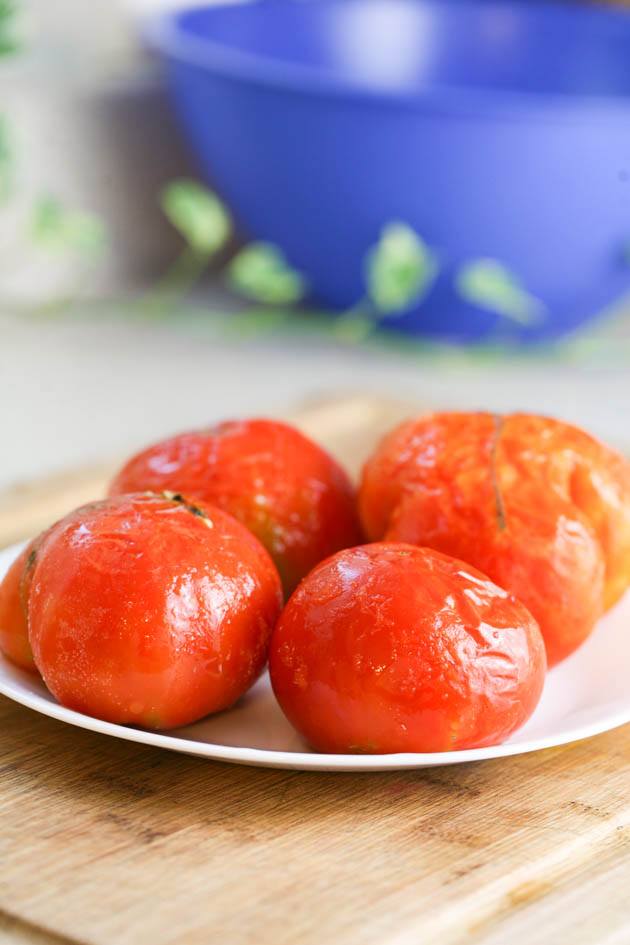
column 305, row 761
column 13, row 689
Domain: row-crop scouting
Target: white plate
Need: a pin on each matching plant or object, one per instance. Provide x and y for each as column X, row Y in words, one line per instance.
column 587, row 694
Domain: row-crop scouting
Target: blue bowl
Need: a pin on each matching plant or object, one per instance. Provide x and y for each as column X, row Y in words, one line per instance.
column 494, row 129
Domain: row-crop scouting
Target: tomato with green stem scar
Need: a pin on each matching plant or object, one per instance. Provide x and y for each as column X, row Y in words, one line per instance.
column 284, row 487
column 151, row 610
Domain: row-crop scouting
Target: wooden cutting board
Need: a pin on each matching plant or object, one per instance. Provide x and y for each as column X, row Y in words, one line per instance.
column 111, row 843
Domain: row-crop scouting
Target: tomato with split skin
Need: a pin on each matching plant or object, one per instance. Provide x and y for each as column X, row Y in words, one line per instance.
column 393, row 648
column 538, row 505
column 151, row 610
column 285, row 488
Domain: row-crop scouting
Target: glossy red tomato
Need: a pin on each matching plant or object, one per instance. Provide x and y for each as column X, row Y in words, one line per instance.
column 151, row 610
column 548, row 556
column 393, row 648
column 538, row 505
column 14, row 591
column 287, row 490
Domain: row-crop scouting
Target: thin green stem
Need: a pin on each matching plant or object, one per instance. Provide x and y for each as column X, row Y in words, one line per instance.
column 178, row 279
column 494, row 475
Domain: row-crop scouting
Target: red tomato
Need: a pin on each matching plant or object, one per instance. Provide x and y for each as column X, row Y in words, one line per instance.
column 14, row 591
column 393, row 648
column 150, row 610
column 548, row 557
column 538, row 505
column 288, row 491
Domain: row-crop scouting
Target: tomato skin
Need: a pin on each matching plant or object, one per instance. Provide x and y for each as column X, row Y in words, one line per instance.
column 561, row 539
column 287, row 490
column 548, row 555
column 409, row 455
column 393, row 648
column 152, row 611
column 14, row 590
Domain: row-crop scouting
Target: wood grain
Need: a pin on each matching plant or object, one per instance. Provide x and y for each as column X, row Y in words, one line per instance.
column 111, row 843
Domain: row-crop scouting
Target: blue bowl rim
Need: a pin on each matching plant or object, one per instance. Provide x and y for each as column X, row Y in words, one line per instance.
column 164, row 34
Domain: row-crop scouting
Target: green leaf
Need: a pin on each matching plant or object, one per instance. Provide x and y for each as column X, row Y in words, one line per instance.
column 6, row 161
column 489, row 284
column 250, row 324
column 56, row 228
column 400, row 269
column 260, row 272
column 198, row 215
column 8, row 41
column 353, row 327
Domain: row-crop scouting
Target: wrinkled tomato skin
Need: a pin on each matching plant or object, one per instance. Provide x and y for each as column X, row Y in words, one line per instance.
column 14, row 642
column 408, row 456
column 548, row 556
column 287, row 490
column 596, row 478
column 151, row 611
column 538, row 505
column 393, row 648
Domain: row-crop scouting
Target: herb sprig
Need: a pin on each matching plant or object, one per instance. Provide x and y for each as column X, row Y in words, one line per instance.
column 400, row 269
